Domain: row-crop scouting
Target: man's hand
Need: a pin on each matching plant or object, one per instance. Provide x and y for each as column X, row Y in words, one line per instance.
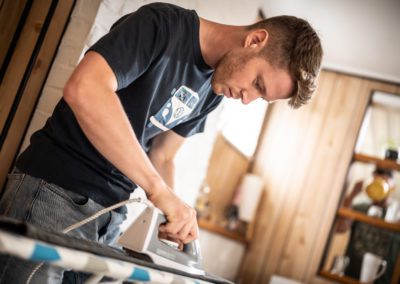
column 181, row 218
column 182, row 224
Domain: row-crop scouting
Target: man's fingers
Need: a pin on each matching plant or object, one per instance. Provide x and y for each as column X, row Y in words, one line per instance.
column 189, row 238
column 184, row 232
column 181, row 222
column 193, row 234
column 186, row 229
column 172, row 228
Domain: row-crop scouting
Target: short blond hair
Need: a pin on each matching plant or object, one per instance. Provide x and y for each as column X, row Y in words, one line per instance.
column 293, row 45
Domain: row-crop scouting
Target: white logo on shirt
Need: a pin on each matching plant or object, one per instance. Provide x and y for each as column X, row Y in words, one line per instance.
column 179, row 106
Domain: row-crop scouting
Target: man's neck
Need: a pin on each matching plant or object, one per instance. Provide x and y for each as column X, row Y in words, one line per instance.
column 217, row 39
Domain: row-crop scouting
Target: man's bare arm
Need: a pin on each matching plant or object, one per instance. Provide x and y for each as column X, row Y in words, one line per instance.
column 162, row 153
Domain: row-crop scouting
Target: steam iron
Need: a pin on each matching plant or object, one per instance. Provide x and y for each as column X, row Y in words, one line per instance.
column 142, row 237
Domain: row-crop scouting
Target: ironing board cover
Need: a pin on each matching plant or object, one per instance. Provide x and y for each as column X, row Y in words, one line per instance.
column 30, row 243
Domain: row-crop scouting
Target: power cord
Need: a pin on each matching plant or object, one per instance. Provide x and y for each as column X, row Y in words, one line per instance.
column 91, row 218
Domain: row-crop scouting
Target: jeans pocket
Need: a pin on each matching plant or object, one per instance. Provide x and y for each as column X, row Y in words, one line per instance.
column 75, row 198
column 14, row 180
column 15, row 176
column 13, row 185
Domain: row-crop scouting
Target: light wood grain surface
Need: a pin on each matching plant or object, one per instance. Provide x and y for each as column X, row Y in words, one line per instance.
column 304, row 158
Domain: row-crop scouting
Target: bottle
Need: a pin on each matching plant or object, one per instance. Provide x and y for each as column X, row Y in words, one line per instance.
column 232, row 212
column 232, row 216
column 202, row 206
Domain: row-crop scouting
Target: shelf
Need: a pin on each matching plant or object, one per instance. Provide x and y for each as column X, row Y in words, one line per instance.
column 386, row 164
column 214, row 228
column 337, row 278
column 352, row 214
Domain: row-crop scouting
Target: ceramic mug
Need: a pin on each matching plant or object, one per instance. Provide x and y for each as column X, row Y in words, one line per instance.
column 373, row 267
column 340, row 262
column 375, row 211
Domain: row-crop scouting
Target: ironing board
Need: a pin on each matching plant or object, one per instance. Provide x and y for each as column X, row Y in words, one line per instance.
column 28, row 242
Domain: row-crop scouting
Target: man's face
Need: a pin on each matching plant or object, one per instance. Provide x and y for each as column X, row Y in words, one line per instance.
column 242, row 75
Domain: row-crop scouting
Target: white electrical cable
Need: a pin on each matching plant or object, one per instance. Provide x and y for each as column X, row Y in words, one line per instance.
column 91, row 218
column 105, row 210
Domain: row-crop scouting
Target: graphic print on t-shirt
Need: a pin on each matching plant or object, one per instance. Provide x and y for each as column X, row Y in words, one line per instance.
column 179, row 106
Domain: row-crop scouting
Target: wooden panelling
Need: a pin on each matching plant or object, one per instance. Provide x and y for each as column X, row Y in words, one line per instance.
column 21, row 56
column 226, row 167
column 35, row 80
column 332, row 153
column 276, row 156
column 303, row 157
column 10, row 15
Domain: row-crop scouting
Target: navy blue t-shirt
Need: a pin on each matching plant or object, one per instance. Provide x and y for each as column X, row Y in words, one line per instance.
column 163, row 83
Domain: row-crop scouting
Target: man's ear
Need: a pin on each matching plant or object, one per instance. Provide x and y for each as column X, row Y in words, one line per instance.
column 256, row 38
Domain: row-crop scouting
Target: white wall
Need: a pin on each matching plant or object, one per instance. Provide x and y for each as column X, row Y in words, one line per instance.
column 359, row 36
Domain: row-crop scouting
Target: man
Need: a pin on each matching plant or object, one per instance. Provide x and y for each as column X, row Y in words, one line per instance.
column 130, row 103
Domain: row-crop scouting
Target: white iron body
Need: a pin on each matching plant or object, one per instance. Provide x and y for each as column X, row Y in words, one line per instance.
column 142, row 236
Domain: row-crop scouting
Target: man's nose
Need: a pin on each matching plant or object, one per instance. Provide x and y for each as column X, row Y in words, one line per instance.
column 248, row 97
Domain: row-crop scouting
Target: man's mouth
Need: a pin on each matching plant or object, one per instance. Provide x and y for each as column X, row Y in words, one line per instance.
column 226, row 93
column 230, row 93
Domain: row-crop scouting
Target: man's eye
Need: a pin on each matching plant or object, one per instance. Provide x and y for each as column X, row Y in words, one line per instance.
column 257, row 84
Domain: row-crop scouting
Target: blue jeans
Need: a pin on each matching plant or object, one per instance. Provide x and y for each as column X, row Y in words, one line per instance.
column 51, row 207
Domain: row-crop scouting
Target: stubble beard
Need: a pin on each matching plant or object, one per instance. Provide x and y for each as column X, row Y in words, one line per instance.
column 227, row 66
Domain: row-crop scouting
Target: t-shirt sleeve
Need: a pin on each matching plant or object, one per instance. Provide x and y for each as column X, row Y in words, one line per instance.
column 191, row 127
column 132, row 44
column 197, row 123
